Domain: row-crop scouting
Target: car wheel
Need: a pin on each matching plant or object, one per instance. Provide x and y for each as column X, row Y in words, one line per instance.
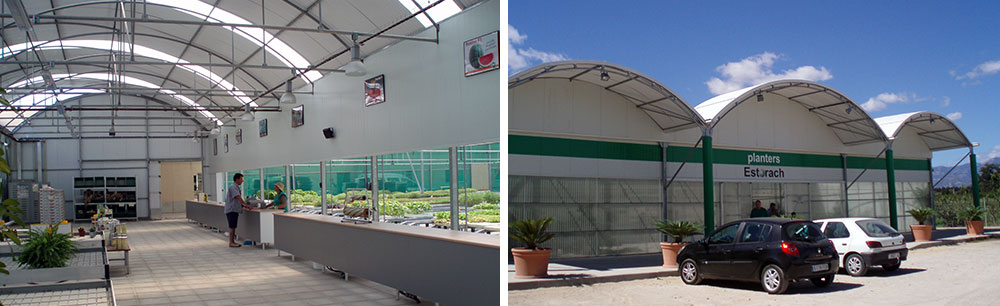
column 823, row 281
column 892, row 267
column 689, row 272
column 855, row 265
column 772, row 278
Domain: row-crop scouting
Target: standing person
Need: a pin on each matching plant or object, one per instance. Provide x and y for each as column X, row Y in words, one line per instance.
column 773, row 211
column 234, row 206
column 280, row 199
column 758, row 211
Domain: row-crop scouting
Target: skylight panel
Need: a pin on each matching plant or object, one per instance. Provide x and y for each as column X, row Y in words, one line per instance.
column 438, row 12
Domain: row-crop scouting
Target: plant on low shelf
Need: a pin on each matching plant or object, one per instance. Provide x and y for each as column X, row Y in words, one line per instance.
column 532, row 260
column 677, row 230
column 46, row 249
column 920, row 231
column 973, row 217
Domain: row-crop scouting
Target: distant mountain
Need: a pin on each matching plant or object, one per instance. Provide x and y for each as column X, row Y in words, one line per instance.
column 961, row 176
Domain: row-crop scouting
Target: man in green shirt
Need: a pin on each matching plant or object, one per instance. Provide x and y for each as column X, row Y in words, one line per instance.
column 758, row 211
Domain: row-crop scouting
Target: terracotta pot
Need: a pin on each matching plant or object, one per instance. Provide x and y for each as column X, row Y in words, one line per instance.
column 974, row 227
column 670, row 251
column 921, row 232
column 531, row 263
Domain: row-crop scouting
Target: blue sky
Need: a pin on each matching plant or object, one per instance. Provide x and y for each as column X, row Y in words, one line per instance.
column 891, row 56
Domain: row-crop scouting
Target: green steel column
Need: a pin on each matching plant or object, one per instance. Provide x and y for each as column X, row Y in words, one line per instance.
column 890, row 171
column 975, row 178
column 709, row 182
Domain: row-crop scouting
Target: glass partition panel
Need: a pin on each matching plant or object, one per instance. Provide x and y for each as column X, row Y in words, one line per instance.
column 251, row 183
column 272, row 176
column 305, row 190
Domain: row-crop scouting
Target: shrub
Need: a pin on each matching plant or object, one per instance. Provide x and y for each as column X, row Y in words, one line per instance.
column 677, row 230
column 486, row 206
column 531, row 232
column 921, row 214
column 46, row 249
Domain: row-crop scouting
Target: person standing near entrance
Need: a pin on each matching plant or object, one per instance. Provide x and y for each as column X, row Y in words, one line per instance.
column 234, row 207
column 774, row 211
column 758, row 211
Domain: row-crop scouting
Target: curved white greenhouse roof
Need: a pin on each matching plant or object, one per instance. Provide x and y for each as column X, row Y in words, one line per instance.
column 851, row 123
column 666, row 108
column 937, row 131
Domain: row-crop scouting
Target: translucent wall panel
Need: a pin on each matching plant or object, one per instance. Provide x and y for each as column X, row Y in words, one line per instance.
column 251, row 183
column 272, row 176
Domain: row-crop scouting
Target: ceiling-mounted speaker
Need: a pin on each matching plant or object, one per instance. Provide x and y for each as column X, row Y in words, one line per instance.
column 328, row 133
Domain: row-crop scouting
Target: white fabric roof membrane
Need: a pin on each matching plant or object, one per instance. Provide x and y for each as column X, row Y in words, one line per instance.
column 850, row 123
column 937, row 131
column 667, row 109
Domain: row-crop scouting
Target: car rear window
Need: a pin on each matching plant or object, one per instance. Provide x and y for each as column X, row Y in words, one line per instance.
column 803, row 231
column 876, row 228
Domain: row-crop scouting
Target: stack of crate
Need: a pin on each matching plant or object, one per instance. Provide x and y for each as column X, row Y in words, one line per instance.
column 51, row 203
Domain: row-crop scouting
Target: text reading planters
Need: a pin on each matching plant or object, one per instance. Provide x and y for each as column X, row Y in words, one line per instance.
column 763, row 159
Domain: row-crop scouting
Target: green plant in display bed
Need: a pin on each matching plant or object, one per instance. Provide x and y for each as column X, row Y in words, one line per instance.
column 445, row 217
column 487, row 206
column 9, row 209
column 921, row 214
column 531, row 232
column 46, row 249
column 677, row 229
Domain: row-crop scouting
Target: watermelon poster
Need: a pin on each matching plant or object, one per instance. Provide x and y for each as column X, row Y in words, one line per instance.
column 482, row 54
column 375, row 90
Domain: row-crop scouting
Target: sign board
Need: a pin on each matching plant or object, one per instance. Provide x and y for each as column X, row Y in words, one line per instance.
column 482, row 54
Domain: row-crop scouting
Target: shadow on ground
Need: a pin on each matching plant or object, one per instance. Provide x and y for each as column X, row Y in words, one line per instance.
column 800, row 287
column 878, row 272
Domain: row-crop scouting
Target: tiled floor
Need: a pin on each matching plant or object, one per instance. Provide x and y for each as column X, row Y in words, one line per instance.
column 175, row 262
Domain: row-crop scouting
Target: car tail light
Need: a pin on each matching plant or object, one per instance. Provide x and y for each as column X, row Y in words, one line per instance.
column 874, row 244
column 789, row 248
column 834, row 245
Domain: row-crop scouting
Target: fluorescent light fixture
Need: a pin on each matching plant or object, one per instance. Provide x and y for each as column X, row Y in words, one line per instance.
column 216, row 131
column 288, row 97
column 356, row 67
column 439, row 12
column 20, row 15
column 247, row 115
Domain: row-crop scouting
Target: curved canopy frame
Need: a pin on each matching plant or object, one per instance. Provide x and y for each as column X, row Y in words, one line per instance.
column 668, row 110
column 36, row 113
column 937, row 131
column 845, row 117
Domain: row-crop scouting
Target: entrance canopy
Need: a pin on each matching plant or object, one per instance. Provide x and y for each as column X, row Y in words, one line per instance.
column 851, row 123
column 937, row 131
column 669, row 111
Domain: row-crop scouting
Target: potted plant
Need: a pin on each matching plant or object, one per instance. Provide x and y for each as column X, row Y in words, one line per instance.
column 46, row 249
column 676, row 230
column 973, row 217
column 921, row 232
column 531, row 261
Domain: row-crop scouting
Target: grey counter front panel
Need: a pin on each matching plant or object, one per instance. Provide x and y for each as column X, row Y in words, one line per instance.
column 248, row 226
column 211, row 214
column 445, row 270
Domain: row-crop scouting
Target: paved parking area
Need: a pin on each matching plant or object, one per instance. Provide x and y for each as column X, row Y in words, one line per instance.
column 963, row 274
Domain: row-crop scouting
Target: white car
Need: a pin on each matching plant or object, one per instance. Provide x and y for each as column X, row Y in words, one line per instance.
column 864, row 243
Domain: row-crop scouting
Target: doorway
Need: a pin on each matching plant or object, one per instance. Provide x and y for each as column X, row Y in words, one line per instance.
column 179, row 182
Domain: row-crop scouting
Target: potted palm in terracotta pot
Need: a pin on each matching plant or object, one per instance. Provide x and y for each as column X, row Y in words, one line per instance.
column 531, row 261
column 921, row 232
column 973, row 217
column 676, row 230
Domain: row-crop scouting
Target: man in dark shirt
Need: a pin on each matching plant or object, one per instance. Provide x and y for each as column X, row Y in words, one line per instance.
column 758, row 211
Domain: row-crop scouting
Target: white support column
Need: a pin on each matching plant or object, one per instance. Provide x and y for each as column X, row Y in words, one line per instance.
column 261, row 176
column 453, row 168
column 322, row 187
column 375, row 191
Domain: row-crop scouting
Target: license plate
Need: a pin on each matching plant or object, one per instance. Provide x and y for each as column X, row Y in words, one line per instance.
column 894, row 256
column 823, row 267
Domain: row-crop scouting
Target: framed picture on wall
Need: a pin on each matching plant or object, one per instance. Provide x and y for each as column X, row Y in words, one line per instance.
column 225, row 143
column 375, row 90
column 215, row 146
column 482, row 54
column 239, row 136
column 263, row 127
column 298, row 116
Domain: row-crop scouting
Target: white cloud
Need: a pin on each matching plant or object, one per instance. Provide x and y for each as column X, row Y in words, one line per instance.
column 984, row 69
column 954, row 116
column 520, row 58
column 946, row 101
column 756, row 69
column 882, row 101
column 994, row 154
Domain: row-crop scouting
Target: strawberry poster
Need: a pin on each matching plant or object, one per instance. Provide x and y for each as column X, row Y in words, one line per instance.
column 482, row 54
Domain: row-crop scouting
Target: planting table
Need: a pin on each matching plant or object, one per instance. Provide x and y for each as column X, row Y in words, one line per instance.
column 127, row 270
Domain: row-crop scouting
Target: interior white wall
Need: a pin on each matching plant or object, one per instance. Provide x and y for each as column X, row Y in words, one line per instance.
column 67, row 157
column 430, row 104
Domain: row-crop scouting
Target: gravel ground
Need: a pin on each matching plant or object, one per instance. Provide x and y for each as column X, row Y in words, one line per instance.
column 963, row 274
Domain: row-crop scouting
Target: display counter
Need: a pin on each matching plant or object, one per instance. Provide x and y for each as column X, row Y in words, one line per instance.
column 448, row 267
column 255, row 225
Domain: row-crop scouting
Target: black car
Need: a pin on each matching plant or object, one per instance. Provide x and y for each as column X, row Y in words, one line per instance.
column 772, row 251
